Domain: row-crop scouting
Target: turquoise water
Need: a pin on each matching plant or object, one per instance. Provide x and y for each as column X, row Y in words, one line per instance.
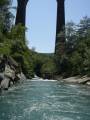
column 45, row 100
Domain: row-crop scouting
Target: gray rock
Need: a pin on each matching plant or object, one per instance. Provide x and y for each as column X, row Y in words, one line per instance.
column 1, row 76
column 23, row 77
column 11, row 83
column 5, row 83
column 71, row 80
column 88, row 83
column 80, row 80
column 83, row 80
column 9, row 72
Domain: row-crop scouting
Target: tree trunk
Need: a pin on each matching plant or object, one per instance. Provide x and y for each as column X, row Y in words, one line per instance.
column 60, row 29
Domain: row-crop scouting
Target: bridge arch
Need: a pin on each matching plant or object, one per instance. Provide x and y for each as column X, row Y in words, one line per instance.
column 21, row 13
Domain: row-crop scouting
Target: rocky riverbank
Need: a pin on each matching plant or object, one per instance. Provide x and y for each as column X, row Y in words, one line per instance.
column 78, row 80
column 10, row 72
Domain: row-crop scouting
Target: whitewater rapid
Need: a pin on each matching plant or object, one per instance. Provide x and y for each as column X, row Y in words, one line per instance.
column 39, row 99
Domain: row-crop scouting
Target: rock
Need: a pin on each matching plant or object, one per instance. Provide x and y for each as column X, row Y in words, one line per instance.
column 83, row 80
column 10, row 73
column 1, row 77
column 12, row 62
column 71, row 80
column 88, row 83
column 20, row 76
column 80, row 80
column 5, row 84
column 11, row 83
column 23, row 77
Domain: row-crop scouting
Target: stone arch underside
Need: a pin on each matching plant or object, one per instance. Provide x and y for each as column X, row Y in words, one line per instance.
column 60, row 39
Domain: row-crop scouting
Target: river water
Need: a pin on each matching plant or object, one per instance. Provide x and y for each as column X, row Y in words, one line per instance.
column 45, row 100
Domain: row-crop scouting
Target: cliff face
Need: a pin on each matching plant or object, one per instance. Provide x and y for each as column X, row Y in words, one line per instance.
column 10, row 72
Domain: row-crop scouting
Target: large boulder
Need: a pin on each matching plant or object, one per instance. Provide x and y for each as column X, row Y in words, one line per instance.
column 84, row 80
column 1, row 77
column 88, row 83
column 10, row 73
column 80, row 80
column 23, row 77
column 20, row 76
column 5, row 84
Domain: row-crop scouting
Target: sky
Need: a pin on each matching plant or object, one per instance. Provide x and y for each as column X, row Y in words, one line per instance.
column 41, row 21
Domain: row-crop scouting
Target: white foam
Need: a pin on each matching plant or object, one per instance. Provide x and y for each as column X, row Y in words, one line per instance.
column 43, row 80
column 55, row 117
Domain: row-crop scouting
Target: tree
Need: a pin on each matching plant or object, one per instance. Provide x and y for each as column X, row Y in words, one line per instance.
column 5, row 15
column 71, row 37
column 83, row 27
column 76, row 59
column 48, row 69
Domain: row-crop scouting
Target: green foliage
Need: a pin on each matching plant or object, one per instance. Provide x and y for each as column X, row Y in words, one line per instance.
column 18, row 32
column 20, row 51
column 77, row 63
column 6, row 16
column 83, row 27
column 13, row 44
column 76, row 60
column 49, row 67
column 5, row 48
column 26, row 63
column 71, row 37
column 39, row 61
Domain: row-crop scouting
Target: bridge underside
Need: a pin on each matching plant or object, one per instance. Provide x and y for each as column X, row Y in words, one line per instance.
column 60, row 31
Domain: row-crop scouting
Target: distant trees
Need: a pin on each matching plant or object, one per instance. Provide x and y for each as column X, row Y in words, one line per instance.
column 44, row 65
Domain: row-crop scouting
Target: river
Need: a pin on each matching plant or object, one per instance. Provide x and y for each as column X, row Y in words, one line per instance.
column 45, row 100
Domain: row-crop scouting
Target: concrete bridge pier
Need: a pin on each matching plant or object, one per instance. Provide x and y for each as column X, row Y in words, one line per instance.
column 21, row 12
column 60, row 28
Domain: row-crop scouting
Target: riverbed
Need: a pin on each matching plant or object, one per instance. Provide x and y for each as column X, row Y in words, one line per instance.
column 45, row 100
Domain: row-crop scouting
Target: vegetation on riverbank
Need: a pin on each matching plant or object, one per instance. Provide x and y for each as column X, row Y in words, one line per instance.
column 13, row 43
column 75, row 60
